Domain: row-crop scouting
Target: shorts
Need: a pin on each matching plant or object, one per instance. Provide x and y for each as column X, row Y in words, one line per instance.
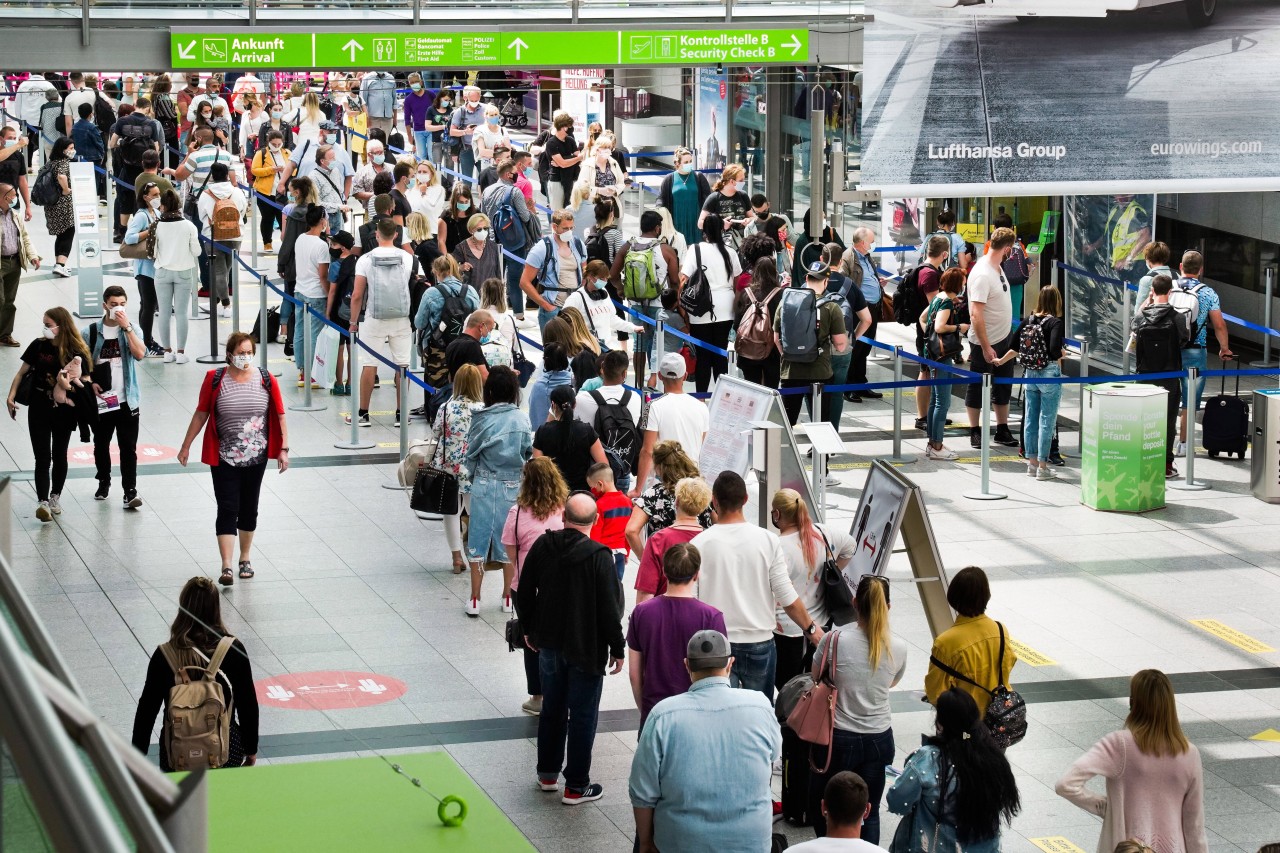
column 644, row 338
column 1000, row 394
column 388, row 338
column 1197, row 357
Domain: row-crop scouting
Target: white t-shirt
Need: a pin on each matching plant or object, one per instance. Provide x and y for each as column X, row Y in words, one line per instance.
column 366, row 262
column 309, row 252
column 721, row 280
column 987, row 285
column 744, row 574
column 808, row 583
column 837, row 845
column 112, row 333
column 585, row 409
column 679, row 417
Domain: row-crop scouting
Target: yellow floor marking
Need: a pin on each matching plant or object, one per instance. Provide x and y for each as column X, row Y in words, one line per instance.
column 1030, row 656
column 1270, row 734
column 1056, row 844
column 1232, row 636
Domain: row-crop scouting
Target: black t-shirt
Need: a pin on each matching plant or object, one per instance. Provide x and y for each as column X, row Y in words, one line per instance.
column 728, row 207
column 566, row 149
column 487, row 178
column 464, row 350
column 400, row 205
column 11, row 169
column 41, row 356
column 569, row 446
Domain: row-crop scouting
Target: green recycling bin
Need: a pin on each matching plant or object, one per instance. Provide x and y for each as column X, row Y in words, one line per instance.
column 1123, row 430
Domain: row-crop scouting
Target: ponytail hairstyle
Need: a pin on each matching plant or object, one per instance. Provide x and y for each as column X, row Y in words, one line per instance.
column 984, row 787
column 871, row 600
column 792, row 509
column 713, row 233
column 732, row 172
column 563, row 400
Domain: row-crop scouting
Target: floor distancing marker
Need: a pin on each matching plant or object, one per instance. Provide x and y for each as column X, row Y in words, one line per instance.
column 1030, row 656
column 1269, row 735
column 1232, row 636
column 1056, row 844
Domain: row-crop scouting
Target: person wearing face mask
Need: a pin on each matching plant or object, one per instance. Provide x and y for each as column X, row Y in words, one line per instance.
column 356, row 121
column 144, row 269
column 859, row 266
column 437, row 124
column 553, row 268
column 176, row 269
column 683, row 193
column 489, row 175
column 478, row 257
column 269, row 166
column 114, row 347
column 462, row 124
column 242, row 414
column 328, row 180
column 730, row 203
column 16, row 255
column 362, row 186
column 593, row 302
column 503, row 194
column 567, row 441
column 563, row 159
column 452, row 229
column 427, row 195
column 212, row 208
column 13, row 170
column 488, row 136
column 59, row 217
column 212, row 95
column 251, row 122
column 526, row 174
column 403, row 174
column 247, row 87
column 762, row 212
column 343, row 173
column 275, row 123
column 417, row 109
column 301, row 196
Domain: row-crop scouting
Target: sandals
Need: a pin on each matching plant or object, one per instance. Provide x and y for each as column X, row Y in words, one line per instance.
column 228, row 576
column 246, row 570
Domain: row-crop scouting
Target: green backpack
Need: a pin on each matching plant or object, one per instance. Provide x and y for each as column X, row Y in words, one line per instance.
column 639, row 277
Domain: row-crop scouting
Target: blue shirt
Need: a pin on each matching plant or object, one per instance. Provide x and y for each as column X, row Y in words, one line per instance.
column 1208, row 300
column 88, row 140
column 540, row 394
column 544, row 252
column 870, row 284
column 704, row 764
column 138, row 225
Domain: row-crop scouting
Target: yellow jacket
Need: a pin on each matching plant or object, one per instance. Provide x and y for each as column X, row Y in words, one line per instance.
column 24, row 250
column 971, row 647
column 357, row 123
column 265, row 178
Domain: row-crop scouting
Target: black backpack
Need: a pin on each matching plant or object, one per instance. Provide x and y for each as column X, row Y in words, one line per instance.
column 104, row 115
column 168, row 119
column 1158, row 339
column 695, row 296
column 598, row 246
column 618, row 434
column 1033, row 346
column 45, row 190
column 908, row 301
column 135, row 140
column 452, row 318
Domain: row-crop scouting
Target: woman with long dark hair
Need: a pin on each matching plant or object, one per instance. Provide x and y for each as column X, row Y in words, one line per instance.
column 955, row 789
column 763, row 288
column 570, row 443
column 58, row 215
column 720, row 267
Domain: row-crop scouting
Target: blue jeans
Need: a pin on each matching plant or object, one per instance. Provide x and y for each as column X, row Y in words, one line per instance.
column 620, row 563
column 467, row 162
column 1040, row 412
column 866, row 755
column 544, row 315
column 336, row 222
column 1197, row 357
column 515, row 296
column 302, row 355
column 835, row 400
column 422, row 144
column 939, row 405
column 754, row 665
column 570, row 709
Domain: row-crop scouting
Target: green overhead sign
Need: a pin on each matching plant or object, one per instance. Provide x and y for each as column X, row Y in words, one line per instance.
column 541, row 48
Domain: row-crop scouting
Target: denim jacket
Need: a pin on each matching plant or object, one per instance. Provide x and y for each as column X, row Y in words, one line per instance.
column 540, row 395
column 918, row 796
column 431, row 306
column 132, row 393
column 138, row 225
column 499, row 442
column 545, row 257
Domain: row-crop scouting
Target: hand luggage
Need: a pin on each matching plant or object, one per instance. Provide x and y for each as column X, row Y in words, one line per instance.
column 273, row 327
column 795, row 779
column 1225, row 427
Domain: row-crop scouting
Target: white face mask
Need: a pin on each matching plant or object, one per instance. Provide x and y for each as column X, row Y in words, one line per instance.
column 481, row 235
column 154, row 203
column 50, row 332
column 565, row 236
column 240, row 361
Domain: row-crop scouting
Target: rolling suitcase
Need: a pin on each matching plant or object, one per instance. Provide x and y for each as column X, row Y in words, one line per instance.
column 1225, row 426
column 795, row 778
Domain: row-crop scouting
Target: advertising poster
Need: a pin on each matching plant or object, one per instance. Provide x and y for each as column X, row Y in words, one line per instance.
column 582, row 98
column 902, row 224
column 875, row 525
column 1123, row 448
column 1105, row 236
column 1079, row 96
column 711, row 118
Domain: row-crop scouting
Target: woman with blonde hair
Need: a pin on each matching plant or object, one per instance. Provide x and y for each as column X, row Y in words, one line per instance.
column 493, row 298
column 1155, row 782
column 729, row 202
column 478, row 257
column 452, row 422
column 539, row 508
column 581, row 334
column 806, row 545
column 655, row 509
column 422, row 240
column 307, row 117
column 693, row 498
column 668, row 233
column 867, row 661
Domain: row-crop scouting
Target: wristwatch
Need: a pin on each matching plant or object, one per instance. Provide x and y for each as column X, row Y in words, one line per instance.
column 813, row 626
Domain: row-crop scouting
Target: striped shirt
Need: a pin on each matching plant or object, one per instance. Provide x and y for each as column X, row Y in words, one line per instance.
column 241, row 410
column 199, row 163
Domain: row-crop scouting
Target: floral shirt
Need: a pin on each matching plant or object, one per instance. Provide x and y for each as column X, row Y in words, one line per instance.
column 452, row 424
column 241, row 410
column 660, row 505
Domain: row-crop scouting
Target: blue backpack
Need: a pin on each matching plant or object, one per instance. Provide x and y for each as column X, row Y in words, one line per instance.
column 507, row 227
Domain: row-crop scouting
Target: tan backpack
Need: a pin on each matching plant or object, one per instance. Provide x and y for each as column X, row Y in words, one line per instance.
column 197, row 722
column 224, row 222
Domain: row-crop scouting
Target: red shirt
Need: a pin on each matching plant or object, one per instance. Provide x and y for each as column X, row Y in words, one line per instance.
column 650, row 577
column 275, row 410
column 613, row 511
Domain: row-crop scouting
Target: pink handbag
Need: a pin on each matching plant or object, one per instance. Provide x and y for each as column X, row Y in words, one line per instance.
column 814, row 716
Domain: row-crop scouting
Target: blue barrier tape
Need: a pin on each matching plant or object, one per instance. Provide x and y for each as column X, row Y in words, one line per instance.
column 897, row 249
column 1255, row 371
column 673, row 332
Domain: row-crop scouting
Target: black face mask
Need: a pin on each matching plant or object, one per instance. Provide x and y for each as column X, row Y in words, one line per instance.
column 335, row 254
column 763, row 214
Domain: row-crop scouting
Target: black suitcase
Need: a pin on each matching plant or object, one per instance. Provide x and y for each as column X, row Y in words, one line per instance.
column 795, row 778
column 273, row 327
column 1225, row 427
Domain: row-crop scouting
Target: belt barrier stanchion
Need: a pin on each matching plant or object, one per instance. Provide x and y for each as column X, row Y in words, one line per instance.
column 1127, row 309
column 110, row 181
column 233, row 280
column 986, row 494
column 733, row 364
column 262, row 326
column 815, row 402
column 1189, row 482
column 308, row 355
column 255, row 232
column 353, row 353
column 1084, row 371
column 898, row 456
column 402, row 377
column 212, row 357
column 195, row 297
column 659, row 342
column 1266, row 321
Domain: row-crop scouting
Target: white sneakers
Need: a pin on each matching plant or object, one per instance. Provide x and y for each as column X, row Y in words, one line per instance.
column 168, row 357
column 506, row 604
column 941, row 453
column 55, row 503
column 1180, row 449
column 43, row 512
column 181, row 358
column 1046, row 474
column 473, row 607
column 833, row 480
column 61, row 271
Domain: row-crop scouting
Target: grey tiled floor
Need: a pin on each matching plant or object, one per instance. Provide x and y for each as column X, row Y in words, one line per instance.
column 348, row 578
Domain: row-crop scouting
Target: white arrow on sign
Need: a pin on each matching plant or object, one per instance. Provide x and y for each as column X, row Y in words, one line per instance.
column 184, row 51
column 517, row 45
column 353, row 45
column 794, row 44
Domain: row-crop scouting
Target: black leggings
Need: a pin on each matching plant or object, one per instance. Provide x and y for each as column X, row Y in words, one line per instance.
column 50, row 437
column 147, row 310
column 62, row 242
column 716, row 334
column 268, row 216
column 764, row 371
column 237, row 491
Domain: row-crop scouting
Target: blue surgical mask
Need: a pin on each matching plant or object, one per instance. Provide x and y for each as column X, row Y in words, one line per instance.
column 685, row 168
column 411, row 183
column 487, row 339
column 446, row 103
column 9, row 143
column 493, row 120
column 531, row 174
column 331, row 138
column 378, row 159
column 598, row 284
column 463, row 205
column 417, row 87
column 13, row 202
column 276, row 114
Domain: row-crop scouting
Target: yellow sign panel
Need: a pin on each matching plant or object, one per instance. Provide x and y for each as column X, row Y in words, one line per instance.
column 1232, row 636
column 1030, row 656
column 1056, row 844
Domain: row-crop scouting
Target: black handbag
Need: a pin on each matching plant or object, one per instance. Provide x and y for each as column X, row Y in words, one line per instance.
column 26, row 388
column 940, row 345
column 523, row 366
column 835, row 589
column 514, row 633
column 436, row 490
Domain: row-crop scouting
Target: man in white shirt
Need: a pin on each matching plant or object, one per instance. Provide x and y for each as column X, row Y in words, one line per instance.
column 29, row 99
column 82, row 92
column 675, row 416
column 613, row 372
column 744, row 572
column 845, row 805
column 382, row 283
column 990, row 336
column 209, row 95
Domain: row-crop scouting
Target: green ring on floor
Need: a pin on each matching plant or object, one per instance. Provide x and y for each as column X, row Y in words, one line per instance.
column 442, row 811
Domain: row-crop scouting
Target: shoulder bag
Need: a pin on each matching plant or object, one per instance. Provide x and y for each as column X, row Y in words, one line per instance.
column 513, row 633
column 940, row 345
column 523, row 366
column 835, row 589
column 191, row 210
column 1006, row 715
column 814, row 717
column 144, row 249
column 436, row 490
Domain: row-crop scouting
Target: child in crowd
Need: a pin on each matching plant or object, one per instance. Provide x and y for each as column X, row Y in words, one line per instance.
column 672, row 320
column 221, row 125
column 613, row 511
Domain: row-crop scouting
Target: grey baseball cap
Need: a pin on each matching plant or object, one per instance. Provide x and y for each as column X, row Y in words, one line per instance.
column 708, row 650
column 673, row 366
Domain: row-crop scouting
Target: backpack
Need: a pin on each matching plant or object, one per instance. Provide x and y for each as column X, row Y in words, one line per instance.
column 168, row 119
column 908, row 301
column 388, row 287
column 695, row 296
column 1015, row 266
column 1033, row 349
column 1159, row 338
column 1186, row 300
column 618, row 434
column 1006, row 715
column 224, row 221
column 197, row 720
column 452, row 317
column 507, row 227
column 45, row 190
column 135, row 141
column 798, row 325
column 104, row 115
column 597, row 246
column 639, row 274
column 950, row 260
column 756, row 337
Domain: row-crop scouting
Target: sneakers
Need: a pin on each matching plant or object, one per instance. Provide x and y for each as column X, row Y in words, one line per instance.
column 1046, row 474
column 362, row 418
column 268, row 248
column 1170, row 472
column 155, row 351
column 103, row 490
column 55, row 503
column 181, row 358
column 288, row 350
column 506, row 604
column 1055, row 458
column 922, row 424
column 533, row 706
column 941, row 453
column 594, row 791
column 61, row 271
column 975, row 438
column 1180, row 449
column 225, row 312
column 168, row 357
column 131, row 499
column 419, row 412
column 302, row 381
column 543, row 784
column 396, row 423
column 1032, row 468
column 1004, row 437
column 833, row 480
column 473, row 607
column 43, row 512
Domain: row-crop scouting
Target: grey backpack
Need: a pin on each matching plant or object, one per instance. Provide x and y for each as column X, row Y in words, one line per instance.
column 389, row 286
column 798, row 326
